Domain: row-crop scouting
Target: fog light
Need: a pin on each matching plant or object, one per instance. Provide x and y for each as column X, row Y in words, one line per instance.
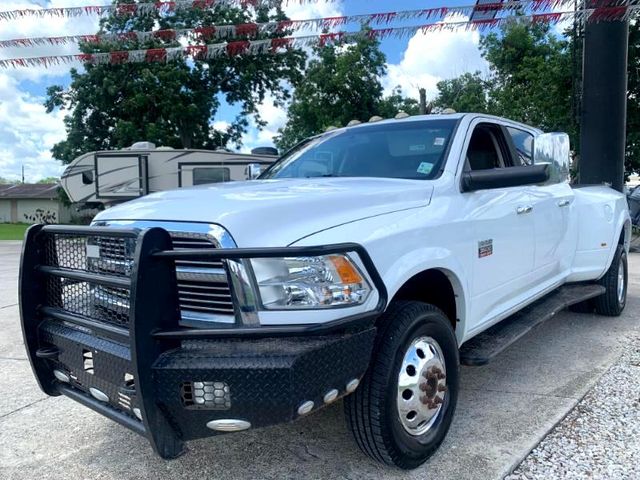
column 330, row 396
column 305, row 408
column 137, row 413
column 60, row 375
column 228, row 425
column 352, row 385
column 98, row 394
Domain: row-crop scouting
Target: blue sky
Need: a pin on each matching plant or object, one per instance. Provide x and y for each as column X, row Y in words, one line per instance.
column 27, row 133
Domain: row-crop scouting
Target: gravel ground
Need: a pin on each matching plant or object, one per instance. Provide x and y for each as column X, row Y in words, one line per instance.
column 600, row 437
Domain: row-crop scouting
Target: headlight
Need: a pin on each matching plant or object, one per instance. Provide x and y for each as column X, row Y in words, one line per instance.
column 310, row 282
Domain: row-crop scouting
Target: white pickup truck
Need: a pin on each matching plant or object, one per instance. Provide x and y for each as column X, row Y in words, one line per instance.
column 368, row 262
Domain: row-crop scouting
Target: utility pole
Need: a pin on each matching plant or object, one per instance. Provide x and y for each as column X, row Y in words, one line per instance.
column 22, row 173
column 423, row 101
column 604, row 100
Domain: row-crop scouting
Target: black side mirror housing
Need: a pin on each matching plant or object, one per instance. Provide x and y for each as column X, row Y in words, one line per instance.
column 505, row 177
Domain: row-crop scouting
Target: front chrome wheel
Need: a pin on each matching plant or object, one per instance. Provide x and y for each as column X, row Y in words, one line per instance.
column 422, row 386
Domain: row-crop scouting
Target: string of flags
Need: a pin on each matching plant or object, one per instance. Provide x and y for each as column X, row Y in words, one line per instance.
column 138, row 9
column 168, row 6
column 278, row 45
column 252, row 30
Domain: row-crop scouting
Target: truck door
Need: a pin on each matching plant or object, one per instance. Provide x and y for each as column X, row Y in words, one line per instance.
column 551, row 204
column 499, row 220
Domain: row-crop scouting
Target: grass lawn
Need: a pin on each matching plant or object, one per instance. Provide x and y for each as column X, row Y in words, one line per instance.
column 12, row 231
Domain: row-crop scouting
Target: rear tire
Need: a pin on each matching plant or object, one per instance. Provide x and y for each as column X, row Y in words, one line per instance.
column 612, row 302
column 415, row 360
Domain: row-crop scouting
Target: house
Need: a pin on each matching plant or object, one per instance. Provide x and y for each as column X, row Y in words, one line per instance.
column 32, row 203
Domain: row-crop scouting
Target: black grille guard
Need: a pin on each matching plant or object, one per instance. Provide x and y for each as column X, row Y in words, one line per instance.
column 153, row 316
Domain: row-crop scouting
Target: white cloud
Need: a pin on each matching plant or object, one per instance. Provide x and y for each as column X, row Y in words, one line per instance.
column 32, row 26
column 434, row 56
column 275, row 117
column 27, row 133
column 304, row 11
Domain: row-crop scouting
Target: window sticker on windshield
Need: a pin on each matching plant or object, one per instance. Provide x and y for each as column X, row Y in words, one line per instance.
column 417, row 148
column 425, row 168
column 438, row 141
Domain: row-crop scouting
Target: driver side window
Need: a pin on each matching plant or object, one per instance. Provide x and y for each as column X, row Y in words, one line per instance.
column 487, row 149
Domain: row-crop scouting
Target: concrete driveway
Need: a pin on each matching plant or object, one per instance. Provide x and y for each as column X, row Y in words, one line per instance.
column 504, row 410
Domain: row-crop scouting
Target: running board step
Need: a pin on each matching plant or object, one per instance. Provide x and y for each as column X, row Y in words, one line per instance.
column 486, row 345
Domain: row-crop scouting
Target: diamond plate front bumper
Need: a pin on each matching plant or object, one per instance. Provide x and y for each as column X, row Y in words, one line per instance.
column 161, row 380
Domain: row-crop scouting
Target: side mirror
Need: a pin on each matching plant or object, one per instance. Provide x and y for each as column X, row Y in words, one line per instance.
column 504, row 177
column 253, row 171
column 553, row 149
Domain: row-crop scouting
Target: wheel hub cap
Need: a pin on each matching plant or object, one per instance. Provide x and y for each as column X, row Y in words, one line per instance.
column 422, row 385
column 621, row 282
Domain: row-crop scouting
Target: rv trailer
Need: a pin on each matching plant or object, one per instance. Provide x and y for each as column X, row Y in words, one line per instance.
column 102, row 179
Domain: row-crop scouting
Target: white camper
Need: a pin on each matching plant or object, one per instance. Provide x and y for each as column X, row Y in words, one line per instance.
column 110, row 177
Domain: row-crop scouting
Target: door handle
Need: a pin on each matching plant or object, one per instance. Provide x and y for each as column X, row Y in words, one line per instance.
column 524, row 209
column 564, row 203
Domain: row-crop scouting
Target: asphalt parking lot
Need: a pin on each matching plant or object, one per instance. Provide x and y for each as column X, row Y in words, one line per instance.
column 505, row 409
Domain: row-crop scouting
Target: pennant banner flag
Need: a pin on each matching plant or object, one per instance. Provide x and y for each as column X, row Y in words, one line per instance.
column 141, row 9
column 148, row 8
column 276, row 45
column 216, row 32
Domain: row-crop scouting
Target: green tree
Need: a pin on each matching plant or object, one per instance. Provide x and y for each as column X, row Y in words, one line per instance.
column 4, row 181
column 531, row 76
column 530, row 80
column 173, row 103
column 341, row 83
column 466, row 93
column 395, row 103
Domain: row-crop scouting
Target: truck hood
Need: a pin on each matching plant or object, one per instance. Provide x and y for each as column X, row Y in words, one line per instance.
column 277, row 212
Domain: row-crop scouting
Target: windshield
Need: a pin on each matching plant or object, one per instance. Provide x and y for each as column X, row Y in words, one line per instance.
column 413, row 150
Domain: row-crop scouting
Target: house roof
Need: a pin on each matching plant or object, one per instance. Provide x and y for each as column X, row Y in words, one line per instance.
column 29, row 190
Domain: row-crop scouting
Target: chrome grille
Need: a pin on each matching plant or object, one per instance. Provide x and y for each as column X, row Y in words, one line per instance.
column 203, row 288
column 205, row 297
column 181, row 242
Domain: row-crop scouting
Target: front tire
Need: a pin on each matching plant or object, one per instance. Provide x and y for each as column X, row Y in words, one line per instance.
column 403, row 409
column 612, row 302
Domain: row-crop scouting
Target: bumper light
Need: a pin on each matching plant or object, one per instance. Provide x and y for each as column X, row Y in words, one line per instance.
column 310, row 282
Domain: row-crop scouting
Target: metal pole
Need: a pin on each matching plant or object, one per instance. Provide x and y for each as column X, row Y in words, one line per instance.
column 604, row 103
